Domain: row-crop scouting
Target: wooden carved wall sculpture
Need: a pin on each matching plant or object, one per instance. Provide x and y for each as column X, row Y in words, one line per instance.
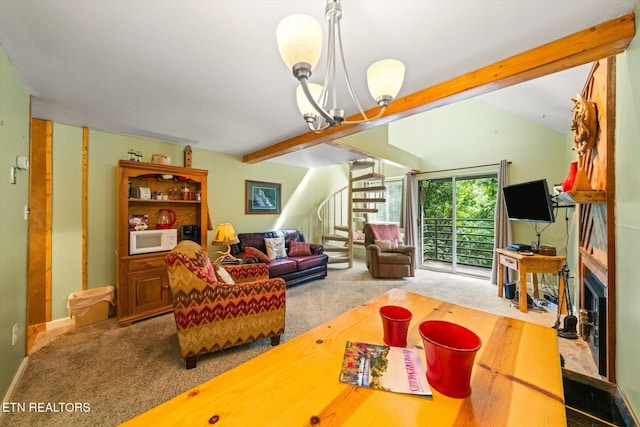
column 584, row 124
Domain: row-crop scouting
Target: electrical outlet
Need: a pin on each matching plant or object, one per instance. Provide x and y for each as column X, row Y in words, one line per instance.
column 14, row 334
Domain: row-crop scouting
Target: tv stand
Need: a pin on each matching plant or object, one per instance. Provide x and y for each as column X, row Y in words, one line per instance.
column 529, row 264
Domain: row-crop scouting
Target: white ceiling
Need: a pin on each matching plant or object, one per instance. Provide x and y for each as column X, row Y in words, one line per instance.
column 208, row 73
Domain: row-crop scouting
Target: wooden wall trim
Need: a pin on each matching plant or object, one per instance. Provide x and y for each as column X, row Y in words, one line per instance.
column 600, row 41
column 611, row 221
column 85, row 203
column 39, row 228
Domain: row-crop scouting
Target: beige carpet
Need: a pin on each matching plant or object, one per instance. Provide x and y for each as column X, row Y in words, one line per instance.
column 108, row 374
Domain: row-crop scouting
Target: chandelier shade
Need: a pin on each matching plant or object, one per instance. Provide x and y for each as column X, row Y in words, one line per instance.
column 385, row 78
column 299, row 40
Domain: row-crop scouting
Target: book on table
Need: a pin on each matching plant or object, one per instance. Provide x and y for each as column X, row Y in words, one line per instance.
column 383, row 367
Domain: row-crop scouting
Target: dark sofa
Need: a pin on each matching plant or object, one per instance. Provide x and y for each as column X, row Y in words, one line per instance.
column 293, row 269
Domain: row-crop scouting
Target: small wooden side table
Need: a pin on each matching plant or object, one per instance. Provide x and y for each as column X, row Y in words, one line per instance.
column 533, row 264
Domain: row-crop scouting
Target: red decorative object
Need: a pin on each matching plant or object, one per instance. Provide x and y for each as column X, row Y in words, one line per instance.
column 450, row 350
column 567, row 184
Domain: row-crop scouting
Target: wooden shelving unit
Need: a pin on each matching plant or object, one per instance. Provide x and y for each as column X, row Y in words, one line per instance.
column 582, row 191
column 142, row 283
column 583, row 196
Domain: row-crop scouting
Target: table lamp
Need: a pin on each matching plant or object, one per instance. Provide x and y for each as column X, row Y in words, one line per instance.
column 225, row 235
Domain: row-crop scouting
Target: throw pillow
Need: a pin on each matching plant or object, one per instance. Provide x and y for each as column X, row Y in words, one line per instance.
column 387, row 245
column 275, row 248
column 195, row 259
column 299, row 249
column 256, row 253
column 223, row 275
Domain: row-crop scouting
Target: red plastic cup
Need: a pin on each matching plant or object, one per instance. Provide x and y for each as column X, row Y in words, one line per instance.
column 450, row 350
column 395, row 324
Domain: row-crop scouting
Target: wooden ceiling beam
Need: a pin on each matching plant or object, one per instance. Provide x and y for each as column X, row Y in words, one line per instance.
column 600, row 41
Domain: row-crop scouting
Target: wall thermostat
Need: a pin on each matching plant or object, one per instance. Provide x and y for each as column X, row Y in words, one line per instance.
column 22, row 162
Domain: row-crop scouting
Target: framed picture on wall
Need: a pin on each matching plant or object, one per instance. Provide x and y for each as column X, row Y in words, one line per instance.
column 262, row 197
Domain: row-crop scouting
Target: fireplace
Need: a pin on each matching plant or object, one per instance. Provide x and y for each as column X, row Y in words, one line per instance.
column 594, row 319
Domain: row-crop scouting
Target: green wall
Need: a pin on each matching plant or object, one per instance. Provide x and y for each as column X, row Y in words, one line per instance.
column 14, row 141
column 66, row 217
column 627, row 222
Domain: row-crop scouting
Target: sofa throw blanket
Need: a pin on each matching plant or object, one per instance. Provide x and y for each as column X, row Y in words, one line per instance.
column 389, row 232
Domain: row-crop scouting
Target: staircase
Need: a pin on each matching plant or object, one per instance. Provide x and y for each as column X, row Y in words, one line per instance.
column 348, row 209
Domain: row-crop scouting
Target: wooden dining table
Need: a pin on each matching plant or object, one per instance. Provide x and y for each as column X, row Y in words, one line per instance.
column 516, row 378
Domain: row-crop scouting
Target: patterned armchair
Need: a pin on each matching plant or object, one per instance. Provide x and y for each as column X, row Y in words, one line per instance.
column 212, row 315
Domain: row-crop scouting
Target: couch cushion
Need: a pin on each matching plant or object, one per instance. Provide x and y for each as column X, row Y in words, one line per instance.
column 257, row 239
column 223, row 275
column 194, row 258
column 299, row 249
column 387, row 245
column 306, row 262
column 393, row 258
column 275, row 248
column 250, row 251
column 252, row 239
column 281, row 266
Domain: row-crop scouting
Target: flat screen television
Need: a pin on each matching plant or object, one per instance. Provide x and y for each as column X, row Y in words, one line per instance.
column 529, row 201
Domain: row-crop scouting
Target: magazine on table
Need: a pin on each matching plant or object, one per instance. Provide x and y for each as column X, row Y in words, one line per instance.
column 383, row 367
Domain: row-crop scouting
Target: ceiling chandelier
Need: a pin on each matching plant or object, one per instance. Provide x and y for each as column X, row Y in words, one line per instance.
column 300, row 43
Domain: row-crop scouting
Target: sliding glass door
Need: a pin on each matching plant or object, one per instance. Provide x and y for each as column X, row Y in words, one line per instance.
column 458, row 223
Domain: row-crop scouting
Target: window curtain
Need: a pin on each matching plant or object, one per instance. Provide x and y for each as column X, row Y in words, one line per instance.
column 502, row 231
column 411, row 213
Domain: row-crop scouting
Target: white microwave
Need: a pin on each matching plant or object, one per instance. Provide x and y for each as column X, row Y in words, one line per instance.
column 147, row 241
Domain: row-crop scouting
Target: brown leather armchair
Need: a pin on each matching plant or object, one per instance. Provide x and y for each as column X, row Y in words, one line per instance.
column 386, row 255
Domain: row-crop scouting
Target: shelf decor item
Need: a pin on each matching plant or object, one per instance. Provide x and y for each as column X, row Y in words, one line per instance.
column 570, row 179
column 262, row 197
column 188, row 156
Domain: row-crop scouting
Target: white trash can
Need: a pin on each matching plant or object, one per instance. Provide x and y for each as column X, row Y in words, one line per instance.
column 92, row 305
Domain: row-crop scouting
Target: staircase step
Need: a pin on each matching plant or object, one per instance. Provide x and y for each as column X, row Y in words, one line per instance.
column 369, row 189
column 358, row 242
column 338, row 260
column 359, row 219
column 341, row 227
column 336, row 237
column 367, row 210
column 362, row 164
column 369, row 200
column 333, row 248
column 368, row 177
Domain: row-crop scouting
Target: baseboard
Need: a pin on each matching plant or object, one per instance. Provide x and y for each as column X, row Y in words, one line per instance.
column 16, row 379
column 60, row 323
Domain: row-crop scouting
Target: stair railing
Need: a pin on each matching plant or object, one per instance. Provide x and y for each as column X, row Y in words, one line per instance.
column 333, row 211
